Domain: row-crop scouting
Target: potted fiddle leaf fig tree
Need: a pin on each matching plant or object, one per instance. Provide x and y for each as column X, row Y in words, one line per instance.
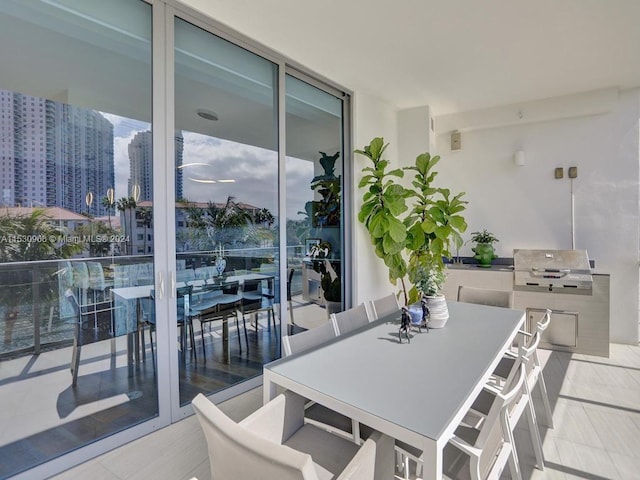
column 434, row 228
column 383, row 204
column 430, row 229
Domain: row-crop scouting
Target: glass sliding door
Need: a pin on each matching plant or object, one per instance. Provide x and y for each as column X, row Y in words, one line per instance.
column 75, row 130
column 226, row 212
column 315, row 203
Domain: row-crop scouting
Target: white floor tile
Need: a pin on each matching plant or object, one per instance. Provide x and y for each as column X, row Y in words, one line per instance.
column 596, row 411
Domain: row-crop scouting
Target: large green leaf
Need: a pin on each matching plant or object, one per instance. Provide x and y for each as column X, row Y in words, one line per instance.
column 396, row 230
column 457, row 222
column 396, row 205
column 398, row 172
column 422, row 162
column 391, row 246
column 415, row 238
column 428, row 225
column 365, row 210
column 443, row 232
column 379, row 224
column 376, row 147
column 365, row 180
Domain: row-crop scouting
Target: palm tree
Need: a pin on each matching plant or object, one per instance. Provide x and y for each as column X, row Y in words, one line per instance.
column 123, row 205
column 264, row 217
column 29, row 238
column 223, row 223
column 106, row 203
column 195, row 216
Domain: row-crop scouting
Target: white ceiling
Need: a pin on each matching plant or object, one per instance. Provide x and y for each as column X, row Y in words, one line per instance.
column 454, row 55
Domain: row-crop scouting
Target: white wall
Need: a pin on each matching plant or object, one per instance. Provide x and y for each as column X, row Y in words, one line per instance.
column 372, row 117
column 527, row 208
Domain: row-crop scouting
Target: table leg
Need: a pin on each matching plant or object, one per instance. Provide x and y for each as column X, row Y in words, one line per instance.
column 130, row 352
column 268, row 388
column 225, row 338
column 432, row 460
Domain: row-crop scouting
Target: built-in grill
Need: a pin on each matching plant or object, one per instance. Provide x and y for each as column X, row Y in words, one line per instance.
column 559, row 271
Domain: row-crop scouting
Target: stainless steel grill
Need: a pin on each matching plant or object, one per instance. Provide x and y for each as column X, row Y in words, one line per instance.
column 560, row 271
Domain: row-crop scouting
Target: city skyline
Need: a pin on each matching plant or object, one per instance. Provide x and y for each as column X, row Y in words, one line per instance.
column 69, row 156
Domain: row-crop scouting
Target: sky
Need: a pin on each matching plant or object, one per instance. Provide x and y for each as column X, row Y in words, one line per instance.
column 254, row 170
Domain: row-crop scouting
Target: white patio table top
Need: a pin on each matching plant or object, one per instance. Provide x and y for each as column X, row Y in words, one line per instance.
column 416, row 392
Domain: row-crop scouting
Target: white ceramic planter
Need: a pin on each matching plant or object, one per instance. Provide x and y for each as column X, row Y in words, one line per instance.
column 438, row 311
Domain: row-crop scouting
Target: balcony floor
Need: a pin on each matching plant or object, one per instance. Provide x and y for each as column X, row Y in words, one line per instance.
column 596, row 410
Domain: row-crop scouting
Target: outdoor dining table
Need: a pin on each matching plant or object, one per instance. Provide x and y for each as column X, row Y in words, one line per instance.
column 416, row 392
column 128, row 312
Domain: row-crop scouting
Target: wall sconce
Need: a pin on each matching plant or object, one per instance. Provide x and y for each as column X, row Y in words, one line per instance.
column 518, row 158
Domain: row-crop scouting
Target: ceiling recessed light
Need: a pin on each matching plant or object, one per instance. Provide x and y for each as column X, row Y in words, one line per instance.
column 195, row 164
column 201, row 180
column 227, row 181
column 207, row 114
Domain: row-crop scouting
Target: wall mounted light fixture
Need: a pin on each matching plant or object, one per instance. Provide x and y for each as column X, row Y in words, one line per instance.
column 518, row 158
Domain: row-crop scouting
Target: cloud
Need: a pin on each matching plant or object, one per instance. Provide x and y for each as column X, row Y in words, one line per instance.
column 253, row 169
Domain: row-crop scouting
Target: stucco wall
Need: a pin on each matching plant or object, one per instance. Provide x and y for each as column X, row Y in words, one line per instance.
column 527, row 208
column 372, row 117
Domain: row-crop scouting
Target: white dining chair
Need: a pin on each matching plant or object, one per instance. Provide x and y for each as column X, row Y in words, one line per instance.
column 351, row 319
column 483, row 452
column 384, row 306
column 535, row 376
column 292, row 344
column 485, row 296
column 275, row 443
column 524, row 403
column 315, row 413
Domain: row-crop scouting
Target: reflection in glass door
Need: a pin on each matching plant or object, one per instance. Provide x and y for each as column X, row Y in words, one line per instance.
column 315, row 220
column 75, row 112
column 226, row 212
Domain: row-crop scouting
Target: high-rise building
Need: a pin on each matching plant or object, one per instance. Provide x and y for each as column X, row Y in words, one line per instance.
column 141, row 164
column 53, row 154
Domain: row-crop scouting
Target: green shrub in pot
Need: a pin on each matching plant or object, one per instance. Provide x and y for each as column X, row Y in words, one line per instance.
column 484, row 250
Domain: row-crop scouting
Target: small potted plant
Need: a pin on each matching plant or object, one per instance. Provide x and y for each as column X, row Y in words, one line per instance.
column 484, row 251
column 329, row 279
column 429, row 281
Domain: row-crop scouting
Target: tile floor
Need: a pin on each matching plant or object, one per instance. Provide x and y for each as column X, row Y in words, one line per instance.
column 596, row 412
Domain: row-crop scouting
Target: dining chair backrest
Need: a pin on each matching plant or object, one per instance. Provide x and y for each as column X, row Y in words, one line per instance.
column 254, row 286
column 350, row 319
column 185, row 275
column 544, row 322
column 80, row 275
column 96, row 276
column 496, row 430
column 302, row 341
column 148, row 308
column 234, row 450
column 525, row 357
column 122, row 276
column 384, row 306
column 183, row 295
column 75, row 305
column 485, row 296
column 230, row 288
